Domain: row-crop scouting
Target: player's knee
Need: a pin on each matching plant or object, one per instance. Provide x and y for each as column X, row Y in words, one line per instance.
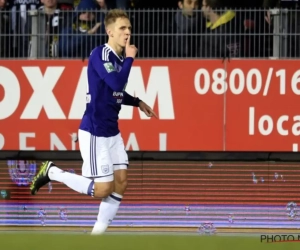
column 103, row 189
column 121, row 184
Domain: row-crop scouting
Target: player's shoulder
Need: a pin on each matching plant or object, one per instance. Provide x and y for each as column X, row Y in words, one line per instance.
column 103, row 52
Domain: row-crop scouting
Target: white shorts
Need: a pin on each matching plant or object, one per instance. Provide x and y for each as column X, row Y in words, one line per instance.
column 101, row 156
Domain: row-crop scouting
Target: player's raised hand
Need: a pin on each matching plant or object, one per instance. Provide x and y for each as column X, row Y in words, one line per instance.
column 130, row 50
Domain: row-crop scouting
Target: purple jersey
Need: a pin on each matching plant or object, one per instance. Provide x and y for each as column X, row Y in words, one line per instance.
column 107, row 79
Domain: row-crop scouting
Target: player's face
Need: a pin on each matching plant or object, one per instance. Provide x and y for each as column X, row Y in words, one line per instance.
column 121, row 31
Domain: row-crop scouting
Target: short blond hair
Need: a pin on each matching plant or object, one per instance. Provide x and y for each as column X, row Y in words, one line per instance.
column 113, row 15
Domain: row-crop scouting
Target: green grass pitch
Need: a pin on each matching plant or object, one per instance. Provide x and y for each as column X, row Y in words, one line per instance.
column 36, row 241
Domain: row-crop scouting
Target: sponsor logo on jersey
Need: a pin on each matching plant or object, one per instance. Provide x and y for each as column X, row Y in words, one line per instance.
column 109, row 67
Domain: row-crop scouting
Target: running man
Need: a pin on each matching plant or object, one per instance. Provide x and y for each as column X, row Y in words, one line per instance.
column 105, row 161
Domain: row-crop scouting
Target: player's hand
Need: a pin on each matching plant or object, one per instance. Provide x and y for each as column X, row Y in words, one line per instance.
column 147, row 110
column 130, row 50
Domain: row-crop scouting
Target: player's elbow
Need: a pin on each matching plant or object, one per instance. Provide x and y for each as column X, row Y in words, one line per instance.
column 118, row 87
column 116, row 82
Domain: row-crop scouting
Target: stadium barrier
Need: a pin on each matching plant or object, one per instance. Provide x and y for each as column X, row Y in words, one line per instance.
column 202, row 105
column 200, row 192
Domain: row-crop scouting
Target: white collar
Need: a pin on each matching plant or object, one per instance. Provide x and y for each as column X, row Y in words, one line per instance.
column 120, row 58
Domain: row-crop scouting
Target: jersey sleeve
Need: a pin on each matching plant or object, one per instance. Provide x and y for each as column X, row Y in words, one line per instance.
column 130, row 100
column 105, row 69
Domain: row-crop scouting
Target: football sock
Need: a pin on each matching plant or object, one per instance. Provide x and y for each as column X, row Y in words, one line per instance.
column 76, row 182
column 107, row 212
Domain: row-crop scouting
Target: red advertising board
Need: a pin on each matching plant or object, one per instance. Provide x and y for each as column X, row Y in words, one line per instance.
column 241, row 105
